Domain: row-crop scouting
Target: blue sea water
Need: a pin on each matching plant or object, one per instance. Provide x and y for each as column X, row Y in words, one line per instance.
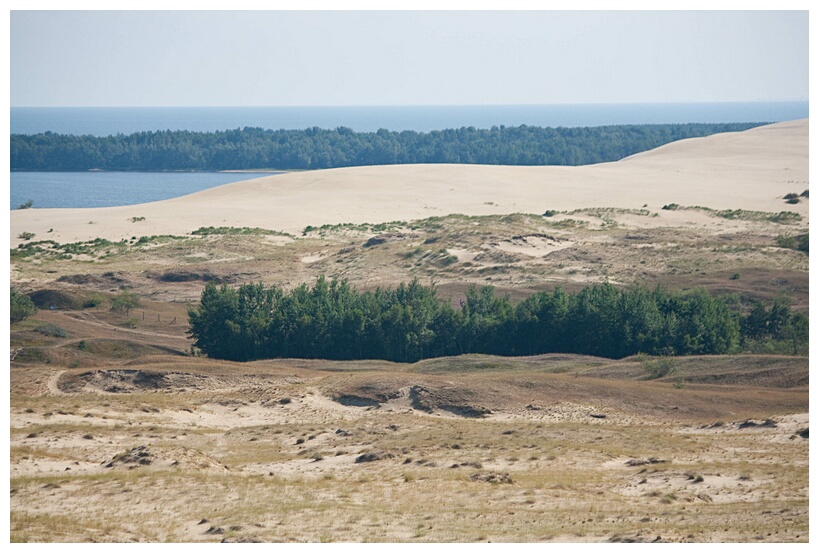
column 104, row 189
column 126, row 120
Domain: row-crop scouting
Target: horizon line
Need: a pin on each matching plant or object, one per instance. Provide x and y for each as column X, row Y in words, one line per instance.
column 806, row 101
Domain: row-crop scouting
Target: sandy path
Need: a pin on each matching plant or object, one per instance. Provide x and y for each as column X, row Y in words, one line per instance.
column 52, row 386
column 749, row 170
column 78, row 322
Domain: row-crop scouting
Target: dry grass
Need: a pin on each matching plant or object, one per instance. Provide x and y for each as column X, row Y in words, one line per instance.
column 454, row 251
column 474, row 448
column 255, row 468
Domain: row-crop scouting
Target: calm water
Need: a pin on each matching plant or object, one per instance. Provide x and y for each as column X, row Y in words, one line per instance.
column 109, row 189
column 107, row 121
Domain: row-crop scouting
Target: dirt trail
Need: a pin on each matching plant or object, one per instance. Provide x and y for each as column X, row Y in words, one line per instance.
column 51, row 384
column 78, row 323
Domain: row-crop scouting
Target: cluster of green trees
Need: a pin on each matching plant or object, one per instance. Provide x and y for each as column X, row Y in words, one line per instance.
column 20, row 306
column 314, row 148
column 332, row 320
column 774, row 329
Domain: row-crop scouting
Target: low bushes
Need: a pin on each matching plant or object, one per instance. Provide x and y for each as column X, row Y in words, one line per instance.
column 21, row 306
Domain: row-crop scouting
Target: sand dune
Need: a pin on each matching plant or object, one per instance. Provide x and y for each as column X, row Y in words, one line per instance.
column 748, row 170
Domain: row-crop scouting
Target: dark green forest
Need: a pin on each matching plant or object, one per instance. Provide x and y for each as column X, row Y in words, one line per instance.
column 314, row 148
column 332, row 320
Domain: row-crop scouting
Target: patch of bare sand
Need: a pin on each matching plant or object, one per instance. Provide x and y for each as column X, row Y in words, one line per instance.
column 535, row 245
column 284, row 455
column 750, row 170
column 312, row 258
column 463, row 255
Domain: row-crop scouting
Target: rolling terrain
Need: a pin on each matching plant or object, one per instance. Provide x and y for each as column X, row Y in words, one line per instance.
column 120, row 432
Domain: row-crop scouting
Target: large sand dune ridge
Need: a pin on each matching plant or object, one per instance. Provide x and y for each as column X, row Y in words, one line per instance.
column 750, row 170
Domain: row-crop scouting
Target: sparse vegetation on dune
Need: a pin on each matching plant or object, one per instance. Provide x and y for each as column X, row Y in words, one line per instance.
column 207, row 231
column 361, row 227
column 614, row 246
column 98, row 248
column 782, row 217
column 123, row 430
column 800, row 242
column 518, row 438
column 268, row 451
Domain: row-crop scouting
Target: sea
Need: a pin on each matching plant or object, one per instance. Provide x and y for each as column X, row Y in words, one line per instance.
column 105, row 121
column 101, row 189
column 106, row 189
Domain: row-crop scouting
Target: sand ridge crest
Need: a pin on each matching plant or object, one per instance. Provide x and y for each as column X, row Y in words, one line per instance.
column 750, row 170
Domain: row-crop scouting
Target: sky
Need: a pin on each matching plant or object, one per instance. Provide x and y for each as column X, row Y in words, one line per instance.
column 323, row 58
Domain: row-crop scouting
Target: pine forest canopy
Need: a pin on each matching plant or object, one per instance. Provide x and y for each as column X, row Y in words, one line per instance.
column 332, row 320
column 315, row 148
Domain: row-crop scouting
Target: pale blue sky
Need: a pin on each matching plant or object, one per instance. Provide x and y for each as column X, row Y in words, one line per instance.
column 183, row 58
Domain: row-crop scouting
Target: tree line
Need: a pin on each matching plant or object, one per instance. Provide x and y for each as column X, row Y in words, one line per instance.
column 315, row 148
column 332, row 320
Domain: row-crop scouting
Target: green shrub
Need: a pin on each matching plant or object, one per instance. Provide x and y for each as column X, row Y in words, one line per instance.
column 124, row 302
column 784, row 217
column 52, row 330
column 26, row 205
column 26, row 235
column 799, row 242
column 95, row 300
column 660, row 367
column 449, row 260
column 21, row 306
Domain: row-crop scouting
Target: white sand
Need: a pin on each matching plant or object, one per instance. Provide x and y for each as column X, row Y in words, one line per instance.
column 748, row 170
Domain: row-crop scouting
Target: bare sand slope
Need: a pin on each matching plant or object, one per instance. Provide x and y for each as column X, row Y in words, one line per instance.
column 748, row 170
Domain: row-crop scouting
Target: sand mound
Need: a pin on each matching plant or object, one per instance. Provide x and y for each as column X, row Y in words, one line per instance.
column 429, row 397
column 750, row 170
column 56, row 299
column 129, row 381
column 534, row 245
column 180, row 457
